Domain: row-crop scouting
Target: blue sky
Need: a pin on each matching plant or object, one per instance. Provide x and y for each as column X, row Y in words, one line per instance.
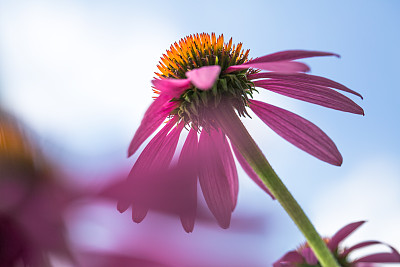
column 78, row 73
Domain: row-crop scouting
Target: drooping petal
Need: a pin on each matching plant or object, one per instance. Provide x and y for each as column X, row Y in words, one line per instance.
column 315, row 94
column 230, row 169
column 213, row 178
column 204, row 77
column 298, row 131
column 303, row 78
column 342, row 234
column 291, row 55
column 172, row 87
column 290, row 259
column 385, row 257
column 187, row 159
column 250, row 172
column 280, row 66
column 144, row 160
column 152, row 119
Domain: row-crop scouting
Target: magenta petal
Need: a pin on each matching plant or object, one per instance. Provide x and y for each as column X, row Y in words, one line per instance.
column 315, row 94
column 298, row 131
column 309, row 256
column 204, row 78
column 290, row 55
column 172, row 87
column 250, row 172
column 213, row 178
column 292, row 258
column 230, row 169
column 280, row 66
column 342, row 234
column 359, row 245
column 144, row 160
column 303, row 78
column 386, row 257
column 187, row 159
column 152, row 119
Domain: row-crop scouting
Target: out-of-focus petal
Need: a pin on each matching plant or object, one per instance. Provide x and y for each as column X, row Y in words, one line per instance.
column 280, row 66
column 298, row 131
column 386, row 257
column 359, row 245
column 290, row 259
column 152, row 119
column 303, row 78
column 342, row 234
column 213, row 178
column 171, row 87
column 145, row 159
column 291, row 55
column 250, row 172
column 309, row 256
column 204, row 77
column 188, row 159
column 315, row 94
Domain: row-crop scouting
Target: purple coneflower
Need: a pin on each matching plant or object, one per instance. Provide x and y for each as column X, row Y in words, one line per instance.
column 205, row 85
column 304, row 256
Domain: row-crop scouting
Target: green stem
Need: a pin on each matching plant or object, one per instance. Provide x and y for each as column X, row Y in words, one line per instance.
column 241, row 139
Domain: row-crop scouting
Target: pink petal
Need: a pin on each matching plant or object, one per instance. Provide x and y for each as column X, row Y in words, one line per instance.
column 298, row 131
column 250, row 172
column 290, row 55
column 145, row 159
column 342, row 234
column 303, row 78
column 388, row 257
column 153, row 117
column 309, row 256
column 172, row 87
column 315, row 94
column 187, row 159
column 230, row 169
column 281, row 66
column 204, row 78
column 292, row 258
column 359, row 245
column 213, row 178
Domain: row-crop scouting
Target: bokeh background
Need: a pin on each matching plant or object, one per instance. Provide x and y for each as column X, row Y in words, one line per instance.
column 78, row 74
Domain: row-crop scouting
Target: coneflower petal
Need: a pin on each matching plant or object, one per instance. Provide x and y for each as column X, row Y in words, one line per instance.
column 171, row 87
column 250, row 172
column 342, row 234
column 386, row 257
column 204, row 77
column 142, row 163
column 359, row 245
column 230, row 169
column 303, row 78
column 298, row 131
column 291, row 55
column 152, row 119
column 213, row 178
column 289, row 259
column 188, row 154
column 315, row 94
column 280, row 66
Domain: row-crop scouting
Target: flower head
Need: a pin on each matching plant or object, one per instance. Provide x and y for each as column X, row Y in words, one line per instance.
column 203, row 82
column 304, row 256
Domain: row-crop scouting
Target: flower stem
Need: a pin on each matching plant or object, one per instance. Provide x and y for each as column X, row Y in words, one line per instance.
column 241, row 139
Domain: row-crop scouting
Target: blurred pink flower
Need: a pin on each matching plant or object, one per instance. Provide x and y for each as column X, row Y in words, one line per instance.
column 202, row 79
column 304, row 256
column 32, row 202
